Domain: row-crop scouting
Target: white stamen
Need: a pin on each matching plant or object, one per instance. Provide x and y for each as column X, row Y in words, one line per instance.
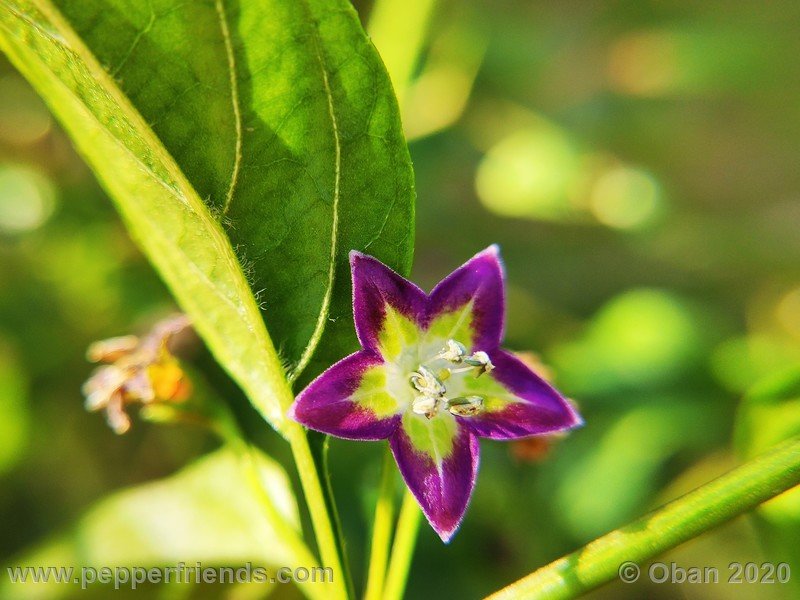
column 431, row 391
column 425, row 405
column 480, row 360
column 465, row 406
column 453, row 352
column 426, row 383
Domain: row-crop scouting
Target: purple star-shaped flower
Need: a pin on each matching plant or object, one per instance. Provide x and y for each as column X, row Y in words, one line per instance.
column 432, row 378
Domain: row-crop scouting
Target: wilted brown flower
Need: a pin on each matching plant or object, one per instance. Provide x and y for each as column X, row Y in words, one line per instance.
column 139, row 370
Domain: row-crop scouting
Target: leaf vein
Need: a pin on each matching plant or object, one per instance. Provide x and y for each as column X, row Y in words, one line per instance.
column 322, row 317
column 237, row 112
column 136, row 40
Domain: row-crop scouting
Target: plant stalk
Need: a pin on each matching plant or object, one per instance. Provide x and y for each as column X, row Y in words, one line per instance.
column 217, row 417
column 403, row 548
column 319, row 443
column 284, row 530
column 320, row 517
column 599, row 562
column 381, row 530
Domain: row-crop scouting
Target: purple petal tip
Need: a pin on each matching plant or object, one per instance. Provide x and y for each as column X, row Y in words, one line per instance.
column 446, row 535
column 577, row 419
column 491, row 252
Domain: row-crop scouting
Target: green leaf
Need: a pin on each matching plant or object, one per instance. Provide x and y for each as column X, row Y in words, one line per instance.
column 282, row 116
column 247, row 146
column 207, row 512
column 161, row 209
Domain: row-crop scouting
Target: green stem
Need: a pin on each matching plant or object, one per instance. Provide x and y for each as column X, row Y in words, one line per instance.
column 381, row 530
column 315, row 495
column 217, row 416
column 320, row 517
column 284, row 531
column 403, row 548
column 320, row 445
column 599, row 562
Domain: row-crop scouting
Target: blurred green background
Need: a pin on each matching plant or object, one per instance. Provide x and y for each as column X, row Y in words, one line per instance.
column 638, row 164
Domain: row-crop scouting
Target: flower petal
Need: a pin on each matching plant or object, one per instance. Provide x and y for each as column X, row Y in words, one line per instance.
column 349, row 400
column 517, row 402
column 387, row 308
column 468, row 305
column 438, row 459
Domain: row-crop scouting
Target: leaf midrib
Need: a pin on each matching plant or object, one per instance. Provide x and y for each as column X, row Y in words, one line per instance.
column 178, row 185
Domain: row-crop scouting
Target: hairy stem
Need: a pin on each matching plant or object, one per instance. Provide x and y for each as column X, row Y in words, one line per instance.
column 403, row 548
column 732, row 494
column 381, row 530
